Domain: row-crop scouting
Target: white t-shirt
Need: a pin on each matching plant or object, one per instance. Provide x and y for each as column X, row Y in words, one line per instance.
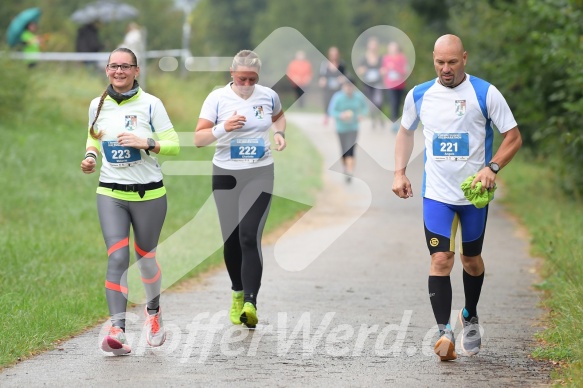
column 141, row 115
column 249, row 146
column 457, row 126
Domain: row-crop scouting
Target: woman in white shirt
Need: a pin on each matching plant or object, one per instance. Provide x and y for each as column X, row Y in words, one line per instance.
column 127, row 126
column 238, row 117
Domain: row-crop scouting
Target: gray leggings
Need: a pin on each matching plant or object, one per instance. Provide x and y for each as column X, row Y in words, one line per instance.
column 146, row 218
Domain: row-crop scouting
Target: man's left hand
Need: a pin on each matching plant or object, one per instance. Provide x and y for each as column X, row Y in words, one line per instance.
column 487, row 177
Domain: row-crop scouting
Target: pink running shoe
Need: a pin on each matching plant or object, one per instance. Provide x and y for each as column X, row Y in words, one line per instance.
column 115, row 342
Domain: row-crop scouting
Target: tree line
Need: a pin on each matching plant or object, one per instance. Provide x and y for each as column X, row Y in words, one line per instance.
column 531, row 50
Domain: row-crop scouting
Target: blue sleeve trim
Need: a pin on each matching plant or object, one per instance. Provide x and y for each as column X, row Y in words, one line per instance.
column 481, row 88
column 418, row 93
column 151, row 125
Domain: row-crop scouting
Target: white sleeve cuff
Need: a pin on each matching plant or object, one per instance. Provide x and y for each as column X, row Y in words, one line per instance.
column 219, row 130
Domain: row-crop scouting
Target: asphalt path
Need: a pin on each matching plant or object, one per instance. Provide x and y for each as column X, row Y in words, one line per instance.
column 343, row 301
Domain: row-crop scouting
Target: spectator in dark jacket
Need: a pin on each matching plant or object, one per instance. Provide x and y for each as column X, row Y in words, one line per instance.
column 88, row 41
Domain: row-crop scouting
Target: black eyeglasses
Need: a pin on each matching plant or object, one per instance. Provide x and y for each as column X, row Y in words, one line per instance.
column 124, row 66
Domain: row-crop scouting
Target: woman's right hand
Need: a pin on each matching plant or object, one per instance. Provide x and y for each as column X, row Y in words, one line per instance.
column 88, row 165
column 235, row 122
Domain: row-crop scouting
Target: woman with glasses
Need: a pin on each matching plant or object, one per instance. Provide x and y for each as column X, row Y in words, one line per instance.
column 238, row 117
column 127, row 126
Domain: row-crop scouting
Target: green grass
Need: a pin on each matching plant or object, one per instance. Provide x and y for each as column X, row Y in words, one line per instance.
column 51, row 249
column 555, row 223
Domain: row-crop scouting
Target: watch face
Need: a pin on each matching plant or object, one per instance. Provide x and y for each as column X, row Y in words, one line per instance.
column 151, row 143
column 494, row 167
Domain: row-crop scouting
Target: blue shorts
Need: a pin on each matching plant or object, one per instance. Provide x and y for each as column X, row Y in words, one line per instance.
column 441, row 222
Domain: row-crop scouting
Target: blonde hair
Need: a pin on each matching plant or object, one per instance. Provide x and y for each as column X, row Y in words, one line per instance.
column 246, row 58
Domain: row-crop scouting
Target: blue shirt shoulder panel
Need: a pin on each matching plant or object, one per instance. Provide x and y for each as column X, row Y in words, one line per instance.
column 418, row 93
column 481, row 88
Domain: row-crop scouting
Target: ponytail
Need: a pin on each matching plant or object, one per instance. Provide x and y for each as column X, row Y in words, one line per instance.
column 92, row 132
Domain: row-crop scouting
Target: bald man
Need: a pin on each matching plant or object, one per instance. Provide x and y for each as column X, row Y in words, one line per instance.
column 457, row 111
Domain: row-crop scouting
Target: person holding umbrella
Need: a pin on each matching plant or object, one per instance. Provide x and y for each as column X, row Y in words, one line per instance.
column 22, row 33
column 88, row 41
column 91, row 17
column 30, row 42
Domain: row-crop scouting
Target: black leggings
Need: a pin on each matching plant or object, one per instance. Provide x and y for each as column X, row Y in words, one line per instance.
column 347, row 142
column 394, row 97
column 243, row 198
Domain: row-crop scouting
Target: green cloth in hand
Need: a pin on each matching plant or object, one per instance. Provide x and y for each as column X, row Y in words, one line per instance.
column 475, row 195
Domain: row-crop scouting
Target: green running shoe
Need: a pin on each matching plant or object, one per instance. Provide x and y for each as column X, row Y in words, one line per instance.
column 249, row 315
column 236, row 307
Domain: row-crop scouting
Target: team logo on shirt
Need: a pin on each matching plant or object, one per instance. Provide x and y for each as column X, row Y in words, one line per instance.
column 434, row 242
column 258, row 109
column 460, row 107
column 131, row 122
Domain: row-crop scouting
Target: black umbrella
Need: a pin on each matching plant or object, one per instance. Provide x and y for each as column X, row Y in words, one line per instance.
column 105, row 12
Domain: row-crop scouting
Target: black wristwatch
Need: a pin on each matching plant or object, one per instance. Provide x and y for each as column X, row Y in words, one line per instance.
column 495, row 167
column 151, row 144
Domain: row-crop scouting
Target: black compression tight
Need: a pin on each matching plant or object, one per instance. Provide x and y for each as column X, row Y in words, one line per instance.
column 243, row 198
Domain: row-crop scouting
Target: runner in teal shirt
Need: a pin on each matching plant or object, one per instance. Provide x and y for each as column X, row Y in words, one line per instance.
column 348, row 107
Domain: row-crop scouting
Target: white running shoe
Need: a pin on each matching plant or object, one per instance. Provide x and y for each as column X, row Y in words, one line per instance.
column 155, row 334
